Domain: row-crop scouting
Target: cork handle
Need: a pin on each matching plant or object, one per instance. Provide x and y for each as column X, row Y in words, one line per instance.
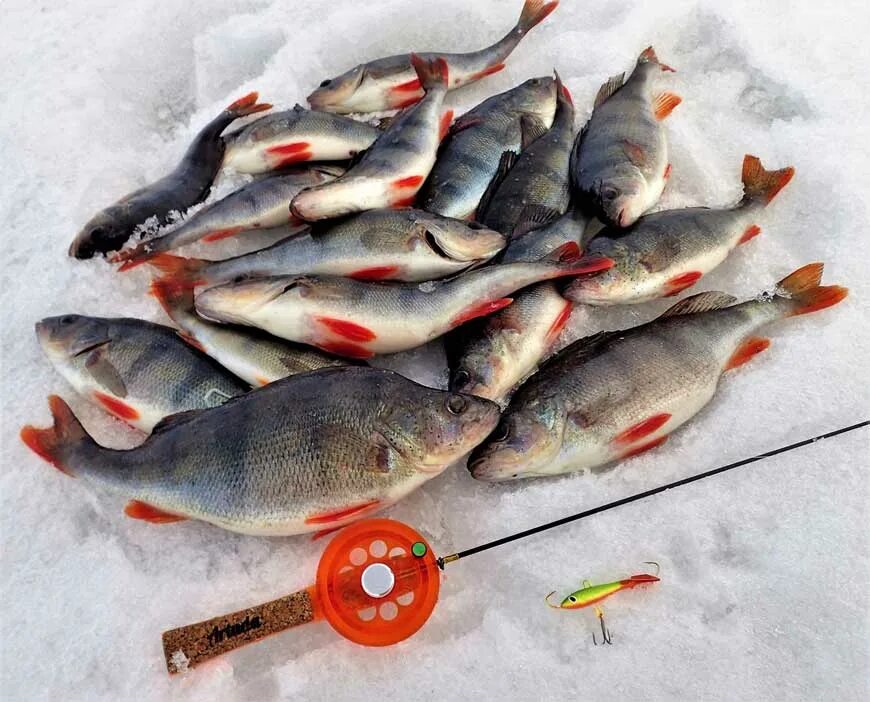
column 188, row 646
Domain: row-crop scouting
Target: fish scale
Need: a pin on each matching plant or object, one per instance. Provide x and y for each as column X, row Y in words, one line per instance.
column 469, row 158
column 308, row 452
column 359, row 319
column 139, row 371
column 665, row 252
column 620, row 160
column 617, row 394
column 383, row 244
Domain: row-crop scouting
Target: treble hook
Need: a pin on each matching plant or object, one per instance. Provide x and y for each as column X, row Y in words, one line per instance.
column 605, row 633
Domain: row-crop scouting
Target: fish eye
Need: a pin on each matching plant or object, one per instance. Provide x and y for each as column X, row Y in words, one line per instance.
column 461, row 378
column 67, row 319
column 456, row 404
column 98, row 233
column 609, row 193
column 474, row 226
column 326, row 82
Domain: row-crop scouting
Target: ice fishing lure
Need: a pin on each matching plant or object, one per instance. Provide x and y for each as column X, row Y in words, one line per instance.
column 590, row 594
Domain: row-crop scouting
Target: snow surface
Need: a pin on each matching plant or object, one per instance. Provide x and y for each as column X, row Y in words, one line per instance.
column 764, row 591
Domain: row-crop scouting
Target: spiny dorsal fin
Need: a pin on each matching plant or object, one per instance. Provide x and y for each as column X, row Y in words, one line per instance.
column 613, row 84
column 583, row 348
column 174, row 420
column 702, row 302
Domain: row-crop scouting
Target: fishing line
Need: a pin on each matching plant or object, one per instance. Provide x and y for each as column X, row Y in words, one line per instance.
column 641, row 495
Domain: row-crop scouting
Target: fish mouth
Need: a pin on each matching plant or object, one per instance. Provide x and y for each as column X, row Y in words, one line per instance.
column 484, row 245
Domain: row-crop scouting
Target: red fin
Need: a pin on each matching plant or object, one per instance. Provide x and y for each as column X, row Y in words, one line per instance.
column 413, row 181
column 409, row 86
column 50, row 444
column 805, row 278
column 567, row 94
column 648, row 55
column 480, row 310
column 587, row 264
column 247, row 105
column 349, row 330
column 375, row 273
column 566, row 253
column 260, row 380
column 178, row 273
column 761, row 184
column 291, row 148
column 345, row 349
column 560, row 322
column 221, row 234
column 643, row 448
column 135, row 259
column 534, row 12
column 404, row 201
column 642, row 429
column 115, row 406
column 342, row 514
column 667, row 172
column 818, row 299
column 294, row 158
column 488, row 71
column 750, row 233
column 676, row 285
column 325, row 532
column 749, row 348
column 664, row 104
column 147, row 513
column 444, row 124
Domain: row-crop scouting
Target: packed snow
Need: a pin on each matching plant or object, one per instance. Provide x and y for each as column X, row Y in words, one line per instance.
column 764, row 591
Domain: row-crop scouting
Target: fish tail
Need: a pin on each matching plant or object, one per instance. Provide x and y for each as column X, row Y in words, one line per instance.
column 171, row 295
column 432, row 73
column 60, row 442
column 648, row 55
column 178, row 273
column 534, row 12
column 760, row 185
column 800, row 292
column 247, row 105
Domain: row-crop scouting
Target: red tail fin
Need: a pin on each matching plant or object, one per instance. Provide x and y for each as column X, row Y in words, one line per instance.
column 534, row 12
column 179, row 273
column 171, row 296
column 804, row 292
column 247, row 105
column 53, row 444
column 648, row 55
column 432, row 74
column 759, row 184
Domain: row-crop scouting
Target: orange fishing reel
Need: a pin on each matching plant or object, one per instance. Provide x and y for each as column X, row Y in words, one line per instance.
column 377, row 584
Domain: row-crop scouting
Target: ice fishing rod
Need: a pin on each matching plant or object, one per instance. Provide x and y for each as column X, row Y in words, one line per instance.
column 642, row 495
column 377, row 582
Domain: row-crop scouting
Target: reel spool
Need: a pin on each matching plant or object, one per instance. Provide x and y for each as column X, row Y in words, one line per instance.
column 377, row 584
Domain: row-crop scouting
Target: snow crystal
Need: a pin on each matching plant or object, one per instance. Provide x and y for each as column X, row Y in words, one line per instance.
column 764, row 570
